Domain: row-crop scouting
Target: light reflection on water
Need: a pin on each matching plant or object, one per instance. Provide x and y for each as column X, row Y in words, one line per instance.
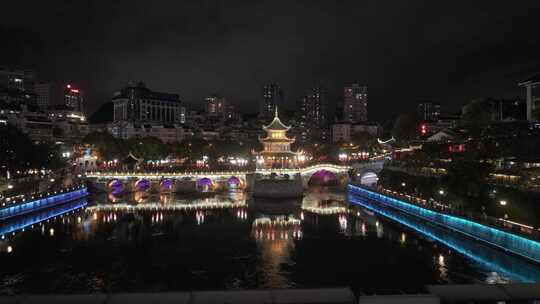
column 228, row 241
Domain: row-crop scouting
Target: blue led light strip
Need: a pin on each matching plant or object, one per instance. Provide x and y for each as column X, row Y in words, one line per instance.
column 489, row 258
column 31, row 219
column 510, row 242
column 42, row 203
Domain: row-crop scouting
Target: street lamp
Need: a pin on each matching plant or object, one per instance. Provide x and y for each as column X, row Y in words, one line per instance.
column 441, row 192
column 403, row 184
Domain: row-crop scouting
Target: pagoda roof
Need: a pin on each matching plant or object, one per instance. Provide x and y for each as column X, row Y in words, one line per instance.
column 276, row 124
column 276, row 153
column 533, row 80
column 277, row 140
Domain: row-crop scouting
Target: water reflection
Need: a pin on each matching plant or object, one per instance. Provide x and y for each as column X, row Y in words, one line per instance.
column 232, row 241
column 275, row 235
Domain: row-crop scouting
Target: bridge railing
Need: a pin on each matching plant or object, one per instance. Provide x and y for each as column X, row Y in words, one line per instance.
column 204, row 172
column 115, row 174
column 25, row 197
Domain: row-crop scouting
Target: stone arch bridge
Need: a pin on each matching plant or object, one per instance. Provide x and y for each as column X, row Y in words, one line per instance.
column 215, row 181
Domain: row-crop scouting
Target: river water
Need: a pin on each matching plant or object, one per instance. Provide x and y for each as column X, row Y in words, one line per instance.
column 142, row 242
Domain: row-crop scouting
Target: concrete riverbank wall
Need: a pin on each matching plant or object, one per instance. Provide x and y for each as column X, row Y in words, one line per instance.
column 518, row 245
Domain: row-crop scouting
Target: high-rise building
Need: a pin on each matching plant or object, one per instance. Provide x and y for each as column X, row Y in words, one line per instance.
column 216, row 106
column 316, row 107
column 355, row 101
column 429, row 111
column 73, row 97
column 54, row 94
column 20, row 79
column 17, row 86
column 312, row 115
column 137, row 104
column 272, row 97
column 532, row 93
column 44, row 94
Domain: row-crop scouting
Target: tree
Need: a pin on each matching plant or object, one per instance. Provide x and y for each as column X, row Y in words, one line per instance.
column 107, row 146
column 364, row 140
column 405, row 128
column 475, row 116
column 192, row 149
column 468, row 176
column 20, row 153
column 148, row 148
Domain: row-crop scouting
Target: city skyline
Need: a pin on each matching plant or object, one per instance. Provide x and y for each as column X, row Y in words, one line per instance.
column 400, row 59
column 257, row 151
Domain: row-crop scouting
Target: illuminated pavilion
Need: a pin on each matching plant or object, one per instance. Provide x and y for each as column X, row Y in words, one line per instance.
column 276, row 153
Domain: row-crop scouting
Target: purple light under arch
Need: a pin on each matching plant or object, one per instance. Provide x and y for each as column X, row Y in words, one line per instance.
column 204, row 182
column 115, row 184
column 142, row 185
column 167, row 184
column 233, row 181
column 323, row 177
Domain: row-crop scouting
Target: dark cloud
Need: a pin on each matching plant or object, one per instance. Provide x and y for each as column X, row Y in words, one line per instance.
column 404, row 50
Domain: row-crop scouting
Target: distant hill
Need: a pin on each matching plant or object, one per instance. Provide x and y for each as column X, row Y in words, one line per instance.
column 103, row 115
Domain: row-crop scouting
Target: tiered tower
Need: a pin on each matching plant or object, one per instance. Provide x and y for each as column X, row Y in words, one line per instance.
column 276, row 153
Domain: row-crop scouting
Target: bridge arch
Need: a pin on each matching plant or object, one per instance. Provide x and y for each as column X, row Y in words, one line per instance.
column 166, row 184
column 234, row 182
column 367, row 177
column 323, row 177
column 142, row 184
column 115, row 186
column 367, row 173
column 114, row 183
column 205, row 184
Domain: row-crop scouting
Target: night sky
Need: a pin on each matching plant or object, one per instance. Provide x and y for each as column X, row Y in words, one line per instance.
column 405, row 51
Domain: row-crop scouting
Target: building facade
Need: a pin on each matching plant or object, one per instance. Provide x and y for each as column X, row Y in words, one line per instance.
column 53, row 94
column 343, row 131
column 44, row 94
column 273, row 98
column 167, row 133
column 73, row 98
column 69, row 125
column 138, row 104
column 532, row 95
column 312, row 116
column 17, row 86
column 218, row 107
column 37, row 126
column 429, row 111
column 18, row 79
column 316, row 107
column 355, row 102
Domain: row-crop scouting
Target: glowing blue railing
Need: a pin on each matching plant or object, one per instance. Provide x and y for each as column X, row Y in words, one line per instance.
column 491, row 258
column 516, row 244
column 38, row 204
column 24, row 221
